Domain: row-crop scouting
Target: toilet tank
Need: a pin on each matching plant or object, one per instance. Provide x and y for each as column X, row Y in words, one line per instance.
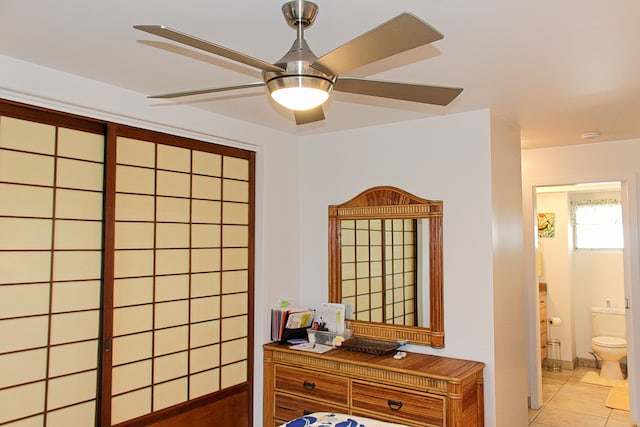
column 608, row 322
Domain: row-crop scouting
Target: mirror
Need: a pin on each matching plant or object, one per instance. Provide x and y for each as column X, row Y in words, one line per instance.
column 385, row 261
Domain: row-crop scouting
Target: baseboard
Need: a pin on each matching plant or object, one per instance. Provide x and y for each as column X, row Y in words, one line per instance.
column 558, row 365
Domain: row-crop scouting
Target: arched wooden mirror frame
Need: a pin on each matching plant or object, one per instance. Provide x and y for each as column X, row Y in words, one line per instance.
column 390, row 202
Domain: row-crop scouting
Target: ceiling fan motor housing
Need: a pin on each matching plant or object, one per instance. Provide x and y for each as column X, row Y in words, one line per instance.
column 298, row 72
column 297, row 61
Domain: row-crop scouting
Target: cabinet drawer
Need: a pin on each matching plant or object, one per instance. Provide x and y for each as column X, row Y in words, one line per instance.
column 289, row 407
column 392, row 403
column 312, row 385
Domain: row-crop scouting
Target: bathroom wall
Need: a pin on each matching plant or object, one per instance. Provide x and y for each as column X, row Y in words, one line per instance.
column 576, row 280
column 556, row 272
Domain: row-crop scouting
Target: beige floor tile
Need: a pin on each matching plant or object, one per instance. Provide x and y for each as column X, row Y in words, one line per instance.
column 619, row 418
column 576, row 403
column 620, row 415
column 568, row 402
column 585, row 391
column 557, row 417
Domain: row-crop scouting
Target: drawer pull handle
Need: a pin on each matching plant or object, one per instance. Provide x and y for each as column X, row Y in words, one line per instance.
column 394, row 405
column 308, row 386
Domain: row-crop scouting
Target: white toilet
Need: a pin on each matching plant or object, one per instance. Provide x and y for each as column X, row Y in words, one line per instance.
column 609, row 339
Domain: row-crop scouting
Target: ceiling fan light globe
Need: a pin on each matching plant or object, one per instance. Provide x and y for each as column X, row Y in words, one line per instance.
column 300, row 93
column 299, row 98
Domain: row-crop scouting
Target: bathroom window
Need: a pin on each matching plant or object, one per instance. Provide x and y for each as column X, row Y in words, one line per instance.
column 597, row 224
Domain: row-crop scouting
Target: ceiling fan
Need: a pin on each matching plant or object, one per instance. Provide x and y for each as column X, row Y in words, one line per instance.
column 301, row 81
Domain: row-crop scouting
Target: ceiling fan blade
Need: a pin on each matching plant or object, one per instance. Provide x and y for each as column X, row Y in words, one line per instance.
column 399, row 34
column 177, row 36
column 309, row 116
column 203, row 91
column 437, row 95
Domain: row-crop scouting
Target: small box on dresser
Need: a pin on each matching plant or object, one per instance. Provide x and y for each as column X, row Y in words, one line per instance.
column 420, row 390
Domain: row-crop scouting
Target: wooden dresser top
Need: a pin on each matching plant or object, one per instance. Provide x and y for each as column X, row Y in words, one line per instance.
column 419, row 364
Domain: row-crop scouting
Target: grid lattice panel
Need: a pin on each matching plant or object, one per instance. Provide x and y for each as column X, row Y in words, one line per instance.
column 400, row 271
column 51, row 188
column 181, row 266
column 378, row 265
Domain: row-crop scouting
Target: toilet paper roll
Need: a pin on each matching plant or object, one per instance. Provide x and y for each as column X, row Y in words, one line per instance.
column 555, row 321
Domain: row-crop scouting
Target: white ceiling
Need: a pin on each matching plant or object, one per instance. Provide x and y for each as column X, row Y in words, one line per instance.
column 556, row 69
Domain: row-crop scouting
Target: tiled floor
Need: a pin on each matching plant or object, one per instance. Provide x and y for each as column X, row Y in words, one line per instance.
column 568, row 402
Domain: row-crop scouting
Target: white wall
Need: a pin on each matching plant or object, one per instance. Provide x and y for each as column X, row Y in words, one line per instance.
column 277, row 169
column 447, row 158
column 599, row 162
column 508, row 276
column 556, row 272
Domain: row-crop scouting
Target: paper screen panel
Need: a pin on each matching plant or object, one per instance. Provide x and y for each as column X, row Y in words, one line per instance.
column 170, row 367
column 75, row 204
column 173, row 158
column 209, row 164
column 174, row 242
column 80, row 145
column 79, row 174
column 130, row 405
column 51, row 261
column 26, row 201
column 233, row 374
column 27, row 135
column 79, row 415
column 135, row 152
column 131, row 376
column 205, row 187
column 236, row 168
column 204, row 383
column 25, row 233
column 26, row 168
column 34, row 298
column 235, row 281
column 21, row 401
column 170, row 393
column 23, row 367
column 174, row 287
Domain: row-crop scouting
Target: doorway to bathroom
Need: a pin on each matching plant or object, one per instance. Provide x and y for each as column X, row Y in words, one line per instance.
column 579, row 265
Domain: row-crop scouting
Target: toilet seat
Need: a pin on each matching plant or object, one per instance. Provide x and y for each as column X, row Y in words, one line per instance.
column 611, row 342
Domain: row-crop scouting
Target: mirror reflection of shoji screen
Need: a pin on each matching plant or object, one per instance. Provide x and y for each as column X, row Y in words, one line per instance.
column 361, row 251
column 181, row 263
column 379, row 269
column 51, row 204
column 400, row 271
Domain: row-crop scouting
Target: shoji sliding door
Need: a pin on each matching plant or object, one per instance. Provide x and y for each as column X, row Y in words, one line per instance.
column 51, row 182
column 181, row 274
column 126, row 275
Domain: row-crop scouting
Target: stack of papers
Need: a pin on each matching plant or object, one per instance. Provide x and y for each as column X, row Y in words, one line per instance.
column 332, row 316
column 314, row 348
column 289, row 318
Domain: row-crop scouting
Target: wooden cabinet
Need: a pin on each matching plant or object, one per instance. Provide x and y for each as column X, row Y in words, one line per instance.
column 420, row 390
column 542, row 293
